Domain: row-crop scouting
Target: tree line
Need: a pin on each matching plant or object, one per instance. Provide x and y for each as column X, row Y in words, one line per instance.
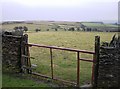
column 24, row 28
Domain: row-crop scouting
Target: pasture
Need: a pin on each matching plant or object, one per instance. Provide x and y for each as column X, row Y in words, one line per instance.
column 98, row 25
column 64, row 62
column 17, row 81
column 45, row 25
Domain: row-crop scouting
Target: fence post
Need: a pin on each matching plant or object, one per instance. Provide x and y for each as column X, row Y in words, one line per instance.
column 78, row 69
column 28, row 64
column 25, row 51
column 96, row 61
column 51, row 62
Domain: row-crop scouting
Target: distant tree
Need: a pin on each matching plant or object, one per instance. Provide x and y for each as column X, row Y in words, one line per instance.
column 15, row 28
column 25, row 28
column 83, row 27
column 37, row 30
column 20, row 27
column 88, row 29
column 71, row 29
column 56, row 29
column 47, row 30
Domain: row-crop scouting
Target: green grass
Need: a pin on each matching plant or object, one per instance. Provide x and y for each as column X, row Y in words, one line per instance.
column 48, row 25
column 93, row 24
column 65, row 62
column 12, row 81
column 88, row 24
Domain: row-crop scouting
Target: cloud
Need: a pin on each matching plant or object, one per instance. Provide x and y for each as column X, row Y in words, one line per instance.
column 60, row 9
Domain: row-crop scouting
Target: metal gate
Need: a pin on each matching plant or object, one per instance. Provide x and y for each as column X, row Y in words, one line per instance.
column 27, row 65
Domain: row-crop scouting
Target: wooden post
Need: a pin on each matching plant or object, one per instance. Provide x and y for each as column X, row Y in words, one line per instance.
column 26, row 52
column 96, row 61
column 25, row 61
column 21, row 52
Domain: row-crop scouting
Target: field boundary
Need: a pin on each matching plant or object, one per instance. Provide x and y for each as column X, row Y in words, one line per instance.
column 77, row 51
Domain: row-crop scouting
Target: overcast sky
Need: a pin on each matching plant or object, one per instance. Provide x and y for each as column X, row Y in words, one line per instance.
column 60, row 10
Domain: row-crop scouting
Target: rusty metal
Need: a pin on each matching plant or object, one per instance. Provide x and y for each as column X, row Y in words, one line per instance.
column 78, row 69
column 51, row 63
column 88, row 60
column 65, row 81
column 93, row 66
column 38, row 74
column 61, row 48
column 78, row 61
column 41, row 75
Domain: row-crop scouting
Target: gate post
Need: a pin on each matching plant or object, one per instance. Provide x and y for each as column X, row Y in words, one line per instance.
column 25, row 56
column 96, row 62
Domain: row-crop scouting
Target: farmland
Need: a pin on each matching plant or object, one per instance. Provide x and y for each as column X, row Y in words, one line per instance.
column 64, row 62
column 60, row 25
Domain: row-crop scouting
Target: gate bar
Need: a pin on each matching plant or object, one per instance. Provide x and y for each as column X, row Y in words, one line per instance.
column 51, row 62
column 68, row 49
column 78, row 69
column 61, row 48
column 41, row 75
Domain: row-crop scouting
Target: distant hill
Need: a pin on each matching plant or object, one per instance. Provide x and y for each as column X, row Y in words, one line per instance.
column 45, row 25
column 100, row 26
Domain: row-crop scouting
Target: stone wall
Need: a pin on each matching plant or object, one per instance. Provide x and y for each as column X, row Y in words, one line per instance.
column 11, row 51
column 109, row 64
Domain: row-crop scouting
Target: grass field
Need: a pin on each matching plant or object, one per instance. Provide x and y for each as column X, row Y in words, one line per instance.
column 98, row 25
column 44, row 25
column 12, row 81
column 64, row 62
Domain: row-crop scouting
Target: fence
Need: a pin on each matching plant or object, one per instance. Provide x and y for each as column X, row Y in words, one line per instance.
column 51, row 48
column 15, row 55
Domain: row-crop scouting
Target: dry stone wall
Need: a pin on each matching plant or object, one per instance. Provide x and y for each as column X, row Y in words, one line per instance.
column 109, row 64
column 11, row 51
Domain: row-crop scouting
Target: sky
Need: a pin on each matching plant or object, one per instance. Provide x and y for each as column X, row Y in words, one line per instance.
column 59, row 10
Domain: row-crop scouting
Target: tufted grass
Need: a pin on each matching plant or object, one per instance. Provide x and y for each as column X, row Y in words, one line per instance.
column 19, row 82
